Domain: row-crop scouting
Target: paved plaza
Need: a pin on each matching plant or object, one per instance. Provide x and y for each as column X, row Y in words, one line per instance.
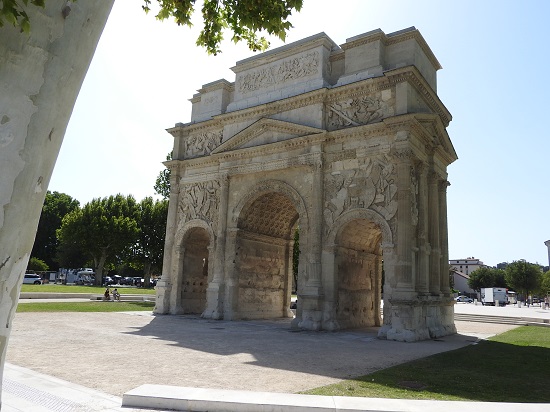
column 112, row 353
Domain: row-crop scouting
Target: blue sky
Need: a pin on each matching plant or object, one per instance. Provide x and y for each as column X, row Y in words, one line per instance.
column 494, row 54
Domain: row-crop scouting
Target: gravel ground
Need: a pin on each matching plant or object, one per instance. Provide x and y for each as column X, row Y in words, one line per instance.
column 116, row 352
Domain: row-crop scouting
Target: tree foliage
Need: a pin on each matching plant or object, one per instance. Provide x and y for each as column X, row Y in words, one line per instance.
column 484, row 277
column 545, row 283
column 103, row 228
column 523, row 277
column 37, row 265
column 244, row 18
column 162, row 184
column 12, row 12
column 149, row 249
column 56, row 206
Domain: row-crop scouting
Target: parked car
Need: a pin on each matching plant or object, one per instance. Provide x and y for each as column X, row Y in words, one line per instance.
column 32, row 279
column 107, row 281
column 127, row 281
column 139, row 281
column 463, row 298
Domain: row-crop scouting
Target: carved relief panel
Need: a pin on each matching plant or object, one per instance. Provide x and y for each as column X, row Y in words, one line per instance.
column 290, row 69
column 369, row 185
column 200, row 201
column 357, row 111
column 201, row 144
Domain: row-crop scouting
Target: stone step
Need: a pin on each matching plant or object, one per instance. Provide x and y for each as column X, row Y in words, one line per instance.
column 507, row 320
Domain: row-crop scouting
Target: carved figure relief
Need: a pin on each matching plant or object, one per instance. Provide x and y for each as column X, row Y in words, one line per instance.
column 359, row 111
column 200, row 201
column 372, row 185
column 202, row 144
column 295, row 68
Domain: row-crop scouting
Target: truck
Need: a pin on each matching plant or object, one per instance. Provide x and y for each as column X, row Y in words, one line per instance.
column 489, row 296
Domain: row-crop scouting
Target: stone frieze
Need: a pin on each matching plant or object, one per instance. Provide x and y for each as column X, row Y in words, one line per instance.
column 202, row 144
column 287, row 70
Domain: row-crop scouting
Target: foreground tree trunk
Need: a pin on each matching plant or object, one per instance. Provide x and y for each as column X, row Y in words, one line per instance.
column 40, row 76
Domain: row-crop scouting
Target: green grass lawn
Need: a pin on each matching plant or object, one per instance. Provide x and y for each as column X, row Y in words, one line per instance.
column 93, row 290
column 511, row 367
column 94, row 306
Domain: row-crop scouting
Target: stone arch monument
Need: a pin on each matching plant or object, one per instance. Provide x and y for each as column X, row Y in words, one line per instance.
column 347, row 143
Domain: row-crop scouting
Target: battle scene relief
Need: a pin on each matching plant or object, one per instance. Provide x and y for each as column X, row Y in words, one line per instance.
column 357, row 111
column 370, row 185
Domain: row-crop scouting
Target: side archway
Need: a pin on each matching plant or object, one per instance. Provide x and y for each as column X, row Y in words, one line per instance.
column 193, row 255
column 355, row 269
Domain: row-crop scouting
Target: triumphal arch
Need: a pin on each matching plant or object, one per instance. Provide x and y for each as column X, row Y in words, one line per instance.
column 346, row 144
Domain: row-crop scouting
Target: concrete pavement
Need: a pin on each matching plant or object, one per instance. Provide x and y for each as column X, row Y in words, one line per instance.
column 211, row 355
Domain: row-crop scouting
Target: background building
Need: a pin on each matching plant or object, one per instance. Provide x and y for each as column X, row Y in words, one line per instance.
column 467, row 265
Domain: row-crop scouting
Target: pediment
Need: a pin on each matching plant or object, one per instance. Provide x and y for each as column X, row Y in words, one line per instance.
column 438, row 132
column 265, row 131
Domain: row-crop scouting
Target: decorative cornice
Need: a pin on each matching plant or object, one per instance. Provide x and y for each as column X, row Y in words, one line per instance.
column 415, row 34
column 378, row 35
column 303, row 160
column 320, row 39
column 327, row 95
column 411, row 75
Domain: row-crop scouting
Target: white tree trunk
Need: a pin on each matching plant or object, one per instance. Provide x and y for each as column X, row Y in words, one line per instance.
column 40, row 76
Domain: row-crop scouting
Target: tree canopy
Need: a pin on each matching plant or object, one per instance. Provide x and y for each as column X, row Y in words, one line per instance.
column 523, row 276
column 149, row 249
column 103, row 228
column 56, row 206
column 486, row 277
column 162, row 184
column 545, row 283
column 244, row 18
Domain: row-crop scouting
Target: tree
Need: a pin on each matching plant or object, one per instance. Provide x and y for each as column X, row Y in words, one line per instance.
column 56, row 206
column 162, row 184
column 500, row 278
column 523, row 277
column 149, row 249
column 104, row 228
column 545, row 283
column 483, row 277
column 37, row 265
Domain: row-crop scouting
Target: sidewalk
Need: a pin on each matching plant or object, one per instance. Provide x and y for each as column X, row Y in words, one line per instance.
column 24, row 390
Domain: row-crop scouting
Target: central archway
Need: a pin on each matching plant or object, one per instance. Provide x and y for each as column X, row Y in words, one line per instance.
column 264, row 256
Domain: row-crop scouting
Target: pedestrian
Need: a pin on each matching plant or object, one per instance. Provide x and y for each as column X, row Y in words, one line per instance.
column 116, row 295
column 107, row 294
column 546, row 303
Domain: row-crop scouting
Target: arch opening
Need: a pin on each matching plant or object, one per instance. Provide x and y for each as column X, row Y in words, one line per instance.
column 358, row 267
column 264, row 257
column 194, row 277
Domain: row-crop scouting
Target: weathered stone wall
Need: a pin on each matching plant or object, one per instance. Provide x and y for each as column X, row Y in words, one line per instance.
column 195, row 278
column 356, row 283
column 263, row 275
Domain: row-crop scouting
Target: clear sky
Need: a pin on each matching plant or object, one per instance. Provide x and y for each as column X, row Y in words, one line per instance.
column 495, row 57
